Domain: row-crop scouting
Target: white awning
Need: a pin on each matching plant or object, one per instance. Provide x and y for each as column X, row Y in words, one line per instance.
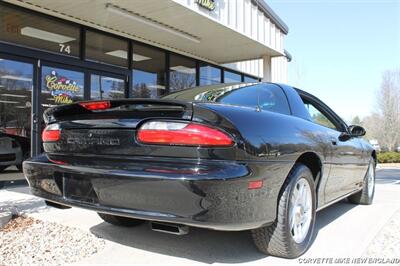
column 163, row 23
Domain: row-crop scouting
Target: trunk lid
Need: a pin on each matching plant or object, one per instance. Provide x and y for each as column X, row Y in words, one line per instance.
column 110, row 131
column 121, row 113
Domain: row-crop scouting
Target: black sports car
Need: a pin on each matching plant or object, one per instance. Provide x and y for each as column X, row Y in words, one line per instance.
column 251, row 156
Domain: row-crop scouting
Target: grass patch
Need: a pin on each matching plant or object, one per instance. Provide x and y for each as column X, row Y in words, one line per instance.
column 388, row 157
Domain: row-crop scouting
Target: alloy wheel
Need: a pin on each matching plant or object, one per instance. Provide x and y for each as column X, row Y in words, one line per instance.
column 300, row 210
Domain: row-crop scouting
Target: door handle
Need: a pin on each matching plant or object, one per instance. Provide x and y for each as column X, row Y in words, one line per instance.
column 334, row 141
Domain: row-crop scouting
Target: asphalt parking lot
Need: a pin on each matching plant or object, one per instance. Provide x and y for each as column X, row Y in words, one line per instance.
column 342, row 231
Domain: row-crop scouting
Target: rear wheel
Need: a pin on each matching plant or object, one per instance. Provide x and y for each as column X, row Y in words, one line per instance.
column 119, row 220
column 366, row 195
column 291, row 233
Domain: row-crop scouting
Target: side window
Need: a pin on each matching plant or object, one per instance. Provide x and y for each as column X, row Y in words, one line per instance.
column 318, row 117
column 273, row 99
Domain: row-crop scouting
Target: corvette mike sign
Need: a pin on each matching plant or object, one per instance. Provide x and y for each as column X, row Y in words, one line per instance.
column 62, row 89
column 207, row 4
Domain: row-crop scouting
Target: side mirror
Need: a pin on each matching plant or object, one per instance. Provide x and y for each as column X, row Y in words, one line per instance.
column 357, row 131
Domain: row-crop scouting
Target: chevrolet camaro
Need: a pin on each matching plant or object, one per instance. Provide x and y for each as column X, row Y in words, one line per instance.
column 262, row 157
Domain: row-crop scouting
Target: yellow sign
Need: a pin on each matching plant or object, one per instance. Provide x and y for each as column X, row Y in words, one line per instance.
column 208, row 4
column 62, row 89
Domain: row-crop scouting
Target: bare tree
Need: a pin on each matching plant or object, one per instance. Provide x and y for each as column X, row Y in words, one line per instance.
column 180, row 80
column 372, row 125
column 356, row 120
column 388, row 107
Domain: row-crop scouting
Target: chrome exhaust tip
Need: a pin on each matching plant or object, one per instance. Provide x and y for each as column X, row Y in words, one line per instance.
column 169, row 228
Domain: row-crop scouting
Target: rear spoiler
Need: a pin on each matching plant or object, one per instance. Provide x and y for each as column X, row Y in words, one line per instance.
column 122, row 108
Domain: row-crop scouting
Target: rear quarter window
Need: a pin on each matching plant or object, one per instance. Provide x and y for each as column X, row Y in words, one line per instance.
column 268, row 97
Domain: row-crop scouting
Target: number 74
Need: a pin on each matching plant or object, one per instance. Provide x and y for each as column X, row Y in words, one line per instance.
column 64, row 48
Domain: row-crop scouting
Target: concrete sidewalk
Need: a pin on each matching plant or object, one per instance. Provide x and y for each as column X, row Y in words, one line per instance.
column 342, row 231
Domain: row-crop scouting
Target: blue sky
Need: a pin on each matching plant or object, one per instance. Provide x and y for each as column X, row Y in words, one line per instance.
column 340, row 49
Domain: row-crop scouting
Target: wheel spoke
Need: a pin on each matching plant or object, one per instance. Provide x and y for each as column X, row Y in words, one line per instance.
column 292, row 222
column 301, row 194
column 298, row 230
column 305, row 195
column 300, row 210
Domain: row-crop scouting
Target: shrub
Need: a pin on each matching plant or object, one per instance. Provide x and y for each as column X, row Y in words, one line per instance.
column 389, row 157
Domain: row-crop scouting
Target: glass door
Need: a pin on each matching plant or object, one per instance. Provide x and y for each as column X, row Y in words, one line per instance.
column 58, row 85
column 61, row 86
column 16, row 84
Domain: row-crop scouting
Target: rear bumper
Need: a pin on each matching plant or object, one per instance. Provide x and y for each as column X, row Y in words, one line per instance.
column 204, row 194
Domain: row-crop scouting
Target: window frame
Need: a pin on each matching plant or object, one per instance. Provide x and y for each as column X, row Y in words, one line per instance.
column 227, row 70
column 196, row 62
column 205, row 64
column 340, row 125
column 39, row 15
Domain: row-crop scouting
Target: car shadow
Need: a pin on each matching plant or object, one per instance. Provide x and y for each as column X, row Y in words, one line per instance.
column 330, row 214
column 203, row 245
column 207, row 246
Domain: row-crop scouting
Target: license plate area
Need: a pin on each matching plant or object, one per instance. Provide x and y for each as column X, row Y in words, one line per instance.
column 79, row 188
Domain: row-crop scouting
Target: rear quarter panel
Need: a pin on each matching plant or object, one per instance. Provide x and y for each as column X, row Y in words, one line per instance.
column 273, row 139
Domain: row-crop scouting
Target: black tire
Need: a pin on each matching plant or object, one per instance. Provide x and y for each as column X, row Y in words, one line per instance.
column 363, row 197
column 56, row 205
column 119, row 220
column 277, row 239
column 3, row 167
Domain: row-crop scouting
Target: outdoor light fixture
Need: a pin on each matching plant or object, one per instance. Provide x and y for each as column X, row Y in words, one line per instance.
column 123, row 54
column 45, row 35
column 149, row 22
column 118, row 53
column 184, row 69
column 139, row 57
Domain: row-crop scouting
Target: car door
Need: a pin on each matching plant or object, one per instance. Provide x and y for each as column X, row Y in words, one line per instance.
column 347, row 161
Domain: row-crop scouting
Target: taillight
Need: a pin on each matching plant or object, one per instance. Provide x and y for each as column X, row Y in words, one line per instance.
column 180, row 133
column 51, row 133
column 97, row 105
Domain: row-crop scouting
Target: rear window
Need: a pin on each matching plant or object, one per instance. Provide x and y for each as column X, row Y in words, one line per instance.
column 268, row 97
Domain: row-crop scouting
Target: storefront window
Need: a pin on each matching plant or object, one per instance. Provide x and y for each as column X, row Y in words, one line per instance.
column 231, row 77
column 106, row 49
column 61, row 86
column 209, row 75
column 250, row 79
column 15, row 116
column 148, row 72
column 38, row 32
column 103, row 87
column 182, row 73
